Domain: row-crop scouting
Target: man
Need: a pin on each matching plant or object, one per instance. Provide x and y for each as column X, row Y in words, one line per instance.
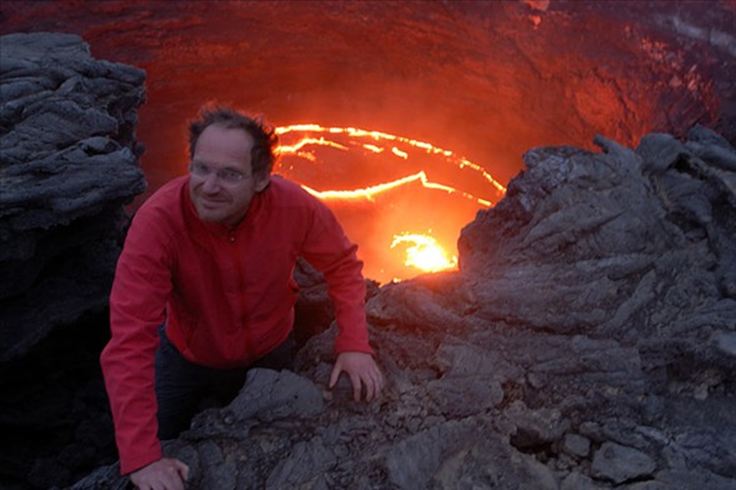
column 211, row 256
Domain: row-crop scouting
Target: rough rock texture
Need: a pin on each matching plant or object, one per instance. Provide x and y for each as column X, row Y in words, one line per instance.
column 587, row 342
column 619, row 463
column 68, row 163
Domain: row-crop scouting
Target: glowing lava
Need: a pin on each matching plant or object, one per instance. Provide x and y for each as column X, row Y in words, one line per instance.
column 379, row 136
column 369, row 193
column 380, row 184
column 424, row 253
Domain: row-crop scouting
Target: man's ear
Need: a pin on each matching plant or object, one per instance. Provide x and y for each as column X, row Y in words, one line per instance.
column 262, row 182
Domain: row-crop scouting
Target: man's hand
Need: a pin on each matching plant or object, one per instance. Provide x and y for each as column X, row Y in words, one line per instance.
column 362, row 370
column 164, row 474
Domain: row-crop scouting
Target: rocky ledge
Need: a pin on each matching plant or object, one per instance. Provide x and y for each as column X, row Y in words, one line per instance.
column 68, row 164
column 589, row 341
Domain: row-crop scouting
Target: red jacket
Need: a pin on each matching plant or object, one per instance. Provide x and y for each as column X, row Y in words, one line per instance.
column 227, row 295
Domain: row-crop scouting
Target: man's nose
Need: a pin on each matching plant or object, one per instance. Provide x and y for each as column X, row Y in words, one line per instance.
column 211, row 183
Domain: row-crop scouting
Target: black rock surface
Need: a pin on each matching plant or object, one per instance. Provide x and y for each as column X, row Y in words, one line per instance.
column 68, row 164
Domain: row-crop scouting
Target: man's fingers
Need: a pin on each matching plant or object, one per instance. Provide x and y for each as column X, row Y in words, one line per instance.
column 378, row 383
column 377, row 378
column 336, row 370
column 182, row 469
column 356, row 382
column 370, row 388
column 179, row 482
column 368, row 383
column 173, row 479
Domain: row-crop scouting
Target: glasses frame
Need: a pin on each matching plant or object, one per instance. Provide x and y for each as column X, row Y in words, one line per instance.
column 224, row 175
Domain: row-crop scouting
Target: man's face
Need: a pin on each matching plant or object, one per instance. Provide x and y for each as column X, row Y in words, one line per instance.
column 221, row 183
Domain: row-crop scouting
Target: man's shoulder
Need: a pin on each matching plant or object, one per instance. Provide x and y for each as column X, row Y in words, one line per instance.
column 166, row 195
column 289, row 193
column 165, row 203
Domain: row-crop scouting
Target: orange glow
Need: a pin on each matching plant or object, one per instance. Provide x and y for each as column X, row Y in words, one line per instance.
column 380, row 184
column 424, row 253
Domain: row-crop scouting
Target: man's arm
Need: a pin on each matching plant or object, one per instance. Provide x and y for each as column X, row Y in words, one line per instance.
column 137, row 302
column 329, row 250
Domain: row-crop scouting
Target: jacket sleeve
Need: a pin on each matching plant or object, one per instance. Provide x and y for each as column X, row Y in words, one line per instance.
column 140, row 290
column 328, row 249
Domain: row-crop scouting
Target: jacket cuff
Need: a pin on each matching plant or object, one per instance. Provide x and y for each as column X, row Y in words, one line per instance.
column 352, row 345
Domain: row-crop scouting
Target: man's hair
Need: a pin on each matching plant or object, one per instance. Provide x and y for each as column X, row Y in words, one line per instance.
column 262, row 154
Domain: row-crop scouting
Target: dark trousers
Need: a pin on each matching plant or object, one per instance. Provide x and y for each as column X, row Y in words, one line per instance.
column 182, row 386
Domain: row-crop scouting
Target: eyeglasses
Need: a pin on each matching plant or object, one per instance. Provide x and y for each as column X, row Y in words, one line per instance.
column 226, row 175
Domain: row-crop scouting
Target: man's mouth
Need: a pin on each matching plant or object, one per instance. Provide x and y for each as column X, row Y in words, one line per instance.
column 212, row 200
column 211, row 203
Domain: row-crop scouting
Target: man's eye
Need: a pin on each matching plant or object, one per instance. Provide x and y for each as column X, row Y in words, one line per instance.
column 200, row 168
column 231, row 175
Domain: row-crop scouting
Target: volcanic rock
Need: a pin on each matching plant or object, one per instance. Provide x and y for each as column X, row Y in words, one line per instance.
column 577, row 481
column 586, row 342
column 576, row 445
column 69, row 163
column 620, row 463
column 268, row 395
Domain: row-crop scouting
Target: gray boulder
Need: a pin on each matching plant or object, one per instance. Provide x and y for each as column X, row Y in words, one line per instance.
column 68, row 164
column 619, row 463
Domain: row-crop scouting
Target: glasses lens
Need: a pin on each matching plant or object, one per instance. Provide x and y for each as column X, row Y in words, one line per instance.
column 230, row 176
column 224, row 175
column 199, row 169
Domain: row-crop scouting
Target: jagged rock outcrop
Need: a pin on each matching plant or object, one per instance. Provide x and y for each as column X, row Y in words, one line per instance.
column 68, row 164
column 587, row 342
